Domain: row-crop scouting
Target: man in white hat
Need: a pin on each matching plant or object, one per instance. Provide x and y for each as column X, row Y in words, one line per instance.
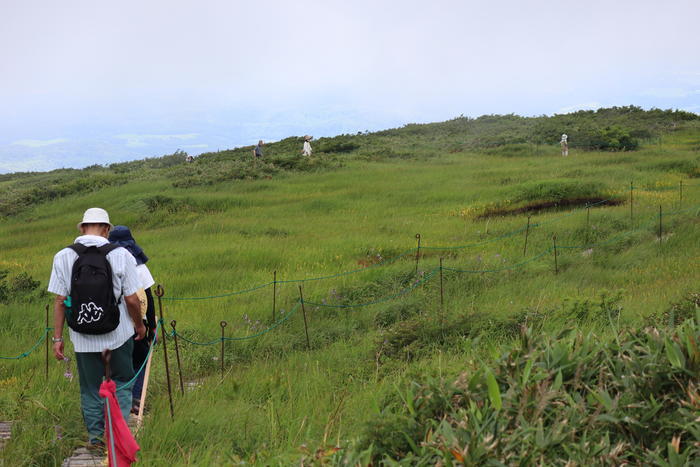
column 306, row 151
column 94, row 328
column 564, row 145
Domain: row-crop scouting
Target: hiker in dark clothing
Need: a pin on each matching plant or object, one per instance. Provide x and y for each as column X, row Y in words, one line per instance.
column 258, row 151
column 121, row 235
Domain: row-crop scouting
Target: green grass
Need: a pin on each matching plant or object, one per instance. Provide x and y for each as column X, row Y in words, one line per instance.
column 280, row 402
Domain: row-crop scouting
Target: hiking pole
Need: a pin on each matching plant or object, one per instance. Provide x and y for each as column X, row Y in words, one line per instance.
column 303, row 310
column 631, row 205
column 588, row 221
column 442, row 298
column 46, row 338
column 159, row 293
column 556, row 265
column 274, row 294
column 223, row 325
column 417, row 252
column 527, row 233
column 144, row 390
column 177, row 356
column 106, row 357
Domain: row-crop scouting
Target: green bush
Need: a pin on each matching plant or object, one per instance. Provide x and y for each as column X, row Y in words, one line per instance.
column 615, row 138
column 20, row 287
column 678, row 312
column 558, row 191
column 556, row 399
column 395, row 313
column 339, row 144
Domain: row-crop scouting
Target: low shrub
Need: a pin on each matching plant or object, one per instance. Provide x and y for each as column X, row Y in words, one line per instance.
column 678, row 312
column 556, row 399
column 20, row 287
column 558, row 190
column 339, row 144
column 396, row 312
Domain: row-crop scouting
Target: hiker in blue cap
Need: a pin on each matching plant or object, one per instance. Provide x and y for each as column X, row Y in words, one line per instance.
column 121, row 235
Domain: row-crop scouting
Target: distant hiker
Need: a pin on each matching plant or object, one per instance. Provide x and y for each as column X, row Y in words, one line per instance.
column 189, row 158
column 258, row 151
column 95, row 283
column 564, row 145
column 306, row 151
column 121, row 235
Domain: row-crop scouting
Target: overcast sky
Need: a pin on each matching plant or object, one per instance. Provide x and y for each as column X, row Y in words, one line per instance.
column 85, row 82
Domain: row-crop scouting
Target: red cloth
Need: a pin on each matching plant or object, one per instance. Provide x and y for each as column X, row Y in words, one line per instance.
column 124, row 443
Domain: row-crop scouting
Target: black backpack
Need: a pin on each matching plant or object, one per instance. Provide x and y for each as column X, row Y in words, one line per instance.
column 93, row 307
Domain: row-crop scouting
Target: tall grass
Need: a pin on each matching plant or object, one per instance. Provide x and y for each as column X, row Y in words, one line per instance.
column 280, row 402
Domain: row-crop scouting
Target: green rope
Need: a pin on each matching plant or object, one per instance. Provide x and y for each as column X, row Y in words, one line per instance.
column 504, row 268
column 143, row 365
column 265, row 331
column 627, row 233
column 32, row 349
column 229, row 294
column 592, row 205
column 277, row 323
column 347, row 273
column 389, row 261
column 402, row 292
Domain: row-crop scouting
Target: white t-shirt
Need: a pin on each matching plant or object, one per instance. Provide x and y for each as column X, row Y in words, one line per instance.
column 307, row 148
column 125, row 281
column 145, row 277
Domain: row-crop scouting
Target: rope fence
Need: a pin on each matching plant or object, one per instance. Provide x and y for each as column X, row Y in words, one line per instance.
column 411, row 251
column 416, row 283
column 32, row 349
column 426, row 278
column 286, row 317
column 159, row 323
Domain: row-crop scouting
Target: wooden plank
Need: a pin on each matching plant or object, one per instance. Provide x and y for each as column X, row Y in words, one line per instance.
column 5, row 433
column 192, row 385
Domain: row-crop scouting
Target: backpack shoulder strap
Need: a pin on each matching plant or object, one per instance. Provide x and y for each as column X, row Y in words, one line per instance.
column 107, row 248
column 79, row 248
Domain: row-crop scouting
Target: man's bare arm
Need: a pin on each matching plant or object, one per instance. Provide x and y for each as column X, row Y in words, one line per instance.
column 59, row 316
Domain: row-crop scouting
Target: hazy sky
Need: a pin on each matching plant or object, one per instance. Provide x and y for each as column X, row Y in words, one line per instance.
column 85, row 82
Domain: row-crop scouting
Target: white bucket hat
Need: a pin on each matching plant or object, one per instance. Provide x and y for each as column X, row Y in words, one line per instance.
column 95, row 216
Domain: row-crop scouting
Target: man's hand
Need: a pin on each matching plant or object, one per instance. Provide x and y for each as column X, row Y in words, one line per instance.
column 58, row 350
column 59, row 315
column 140, row 330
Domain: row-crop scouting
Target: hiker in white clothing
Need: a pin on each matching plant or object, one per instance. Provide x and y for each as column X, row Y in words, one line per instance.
column 307, row 145
column 102, row 312
column 564, row 145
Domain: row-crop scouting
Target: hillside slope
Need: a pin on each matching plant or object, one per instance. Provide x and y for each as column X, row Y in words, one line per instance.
column 382, row 336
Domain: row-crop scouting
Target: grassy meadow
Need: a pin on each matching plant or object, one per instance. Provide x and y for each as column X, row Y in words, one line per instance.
column 281, row 403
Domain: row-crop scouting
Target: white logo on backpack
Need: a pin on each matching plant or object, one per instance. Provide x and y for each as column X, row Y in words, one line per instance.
column 89, row 313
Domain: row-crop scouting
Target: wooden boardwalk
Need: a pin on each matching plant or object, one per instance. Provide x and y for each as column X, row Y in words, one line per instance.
column 192, row 385
column 82, row 457
column 5, row 433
